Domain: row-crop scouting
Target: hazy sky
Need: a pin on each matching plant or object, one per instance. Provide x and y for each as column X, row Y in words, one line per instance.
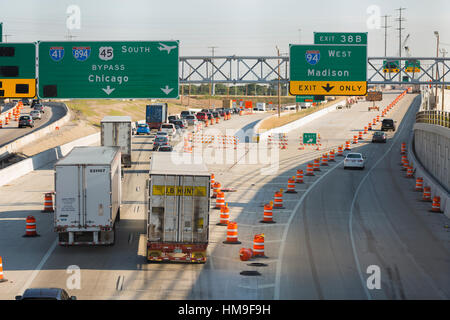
column 245, row 27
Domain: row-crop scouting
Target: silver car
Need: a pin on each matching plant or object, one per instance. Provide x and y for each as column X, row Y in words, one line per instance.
column 191, row 120
column 354, row 160
column 35, row 114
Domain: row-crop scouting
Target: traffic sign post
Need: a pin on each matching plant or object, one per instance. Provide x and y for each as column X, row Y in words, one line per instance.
column 108, row 69
column 336, row 70
column 359, row 38
column 17, row 70
column 309, row 138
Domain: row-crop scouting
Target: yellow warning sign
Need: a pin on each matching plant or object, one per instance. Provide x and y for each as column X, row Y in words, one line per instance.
column 187, row 191
column 328, row 88
column 17, row 88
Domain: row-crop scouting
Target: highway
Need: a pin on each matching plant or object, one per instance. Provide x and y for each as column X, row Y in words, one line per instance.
column 53, row 112
column 339, row 223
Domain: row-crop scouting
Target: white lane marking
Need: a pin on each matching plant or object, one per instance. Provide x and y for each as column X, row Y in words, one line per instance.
column 350, row 220
column 285, row 232
column 12, row 219
column 39, row 267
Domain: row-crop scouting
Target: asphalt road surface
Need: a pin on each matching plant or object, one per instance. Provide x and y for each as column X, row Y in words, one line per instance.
column 339, row 223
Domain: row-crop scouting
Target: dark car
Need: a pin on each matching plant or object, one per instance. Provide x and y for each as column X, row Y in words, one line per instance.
column 173, row 118
column 215, row 114
column 185, row 113
column 160, row 141
column 45, row 294
column 39, row 107
column 180, row 123
column 379, row 136
column 209, row 115
column 388, row 124
column 165, row 148
column 35, row 101
column 25, row 101
column 26, row 121
column 201, row 116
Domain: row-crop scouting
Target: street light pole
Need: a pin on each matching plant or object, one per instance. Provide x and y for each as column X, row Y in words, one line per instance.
column 444, row 52
column 437, row 70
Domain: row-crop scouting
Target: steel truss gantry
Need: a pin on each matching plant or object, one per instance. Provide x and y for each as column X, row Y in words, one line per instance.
column 267, row 70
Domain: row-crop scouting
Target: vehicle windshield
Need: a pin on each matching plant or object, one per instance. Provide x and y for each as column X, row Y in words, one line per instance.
column 190, row 117
column 142, row 126
column 378, row 133
column 161, row 139
column 24, row 118
column 354, row 156
column 161, row 133
column 166, row 126
column 388, row 121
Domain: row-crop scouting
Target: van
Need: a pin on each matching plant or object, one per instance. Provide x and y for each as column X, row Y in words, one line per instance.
column 185, row 113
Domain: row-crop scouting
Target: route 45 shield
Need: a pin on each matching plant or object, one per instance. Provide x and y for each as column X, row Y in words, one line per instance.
column 81, row 53
column 56, row 53
column 312, row 56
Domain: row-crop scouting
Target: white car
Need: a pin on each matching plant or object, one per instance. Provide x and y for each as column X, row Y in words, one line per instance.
column 354, row 160
column 35, row 114
column 169, row 128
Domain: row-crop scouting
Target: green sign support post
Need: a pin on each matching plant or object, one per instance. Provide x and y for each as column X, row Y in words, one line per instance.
column 108, row 69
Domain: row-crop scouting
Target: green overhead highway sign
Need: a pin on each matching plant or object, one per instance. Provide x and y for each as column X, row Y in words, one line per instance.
column 359, row 38
column 108, row 69
column 328, row 70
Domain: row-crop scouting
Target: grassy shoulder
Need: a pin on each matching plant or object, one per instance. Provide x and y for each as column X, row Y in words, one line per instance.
column 275, row 122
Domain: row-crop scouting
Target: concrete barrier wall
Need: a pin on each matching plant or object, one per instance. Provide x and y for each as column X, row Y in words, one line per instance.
column 429, row 154
column 32, row 136
column 297, row 123
column 23, row 167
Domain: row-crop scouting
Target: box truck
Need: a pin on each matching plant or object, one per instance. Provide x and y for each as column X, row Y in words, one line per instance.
column 117, row 131
column 156, row 114
column 178, row 210
column 260, row 106
column 88, row 196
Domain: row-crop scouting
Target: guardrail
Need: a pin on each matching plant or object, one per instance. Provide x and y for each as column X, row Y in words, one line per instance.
column 440, row 118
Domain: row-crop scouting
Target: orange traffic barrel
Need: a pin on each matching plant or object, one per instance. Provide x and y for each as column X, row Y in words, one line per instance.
column 291, row 185
column 426, row 194
column 369, row 126
column 48, row 202
column 410, row 172
column 374, row 121
column 232, row 233
column 220, row 200
column 217, row 120
column 212, row 121
column 206, row 122
column 347, row 146
column 378, row 118
column 258, row 245
column 30, row 228
column 355, row 139
column 245, row 254
column 316, row 165
column 403, row 148
column 216, row 189
column 436, row 206
column 2, row 278
column 340, row 151
column 360, row 135
column 268, row 213
column 299, row 177
column 309, row 169
column 419, row 184
column 212, row 180
column 278, row 200
column 224, row 215
column 365, row 130
column 1, row 123
column 6, row 120
column 405, row 165
column 331, row 159
column 324, row 159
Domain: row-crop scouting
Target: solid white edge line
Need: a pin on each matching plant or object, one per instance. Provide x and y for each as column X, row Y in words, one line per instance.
column 39, row 267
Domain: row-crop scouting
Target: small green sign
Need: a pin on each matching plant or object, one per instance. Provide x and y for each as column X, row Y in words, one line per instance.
column 359, row 38
column 309, row 98
column 108, row 69
column 309, row 138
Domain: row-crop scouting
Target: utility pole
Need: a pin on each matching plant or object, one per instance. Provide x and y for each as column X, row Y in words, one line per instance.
column 385, row 27
column 444, row 52
column 400, row 20
column 436, row 33
column 279, row 86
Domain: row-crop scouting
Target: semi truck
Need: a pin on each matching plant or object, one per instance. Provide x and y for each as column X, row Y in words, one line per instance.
column 156, row 114
column 88, row 196
column 117, row 131
column 178, row 210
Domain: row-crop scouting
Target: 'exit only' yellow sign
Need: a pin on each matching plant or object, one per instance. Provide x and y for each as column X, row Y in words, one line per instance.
column 328, row 88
